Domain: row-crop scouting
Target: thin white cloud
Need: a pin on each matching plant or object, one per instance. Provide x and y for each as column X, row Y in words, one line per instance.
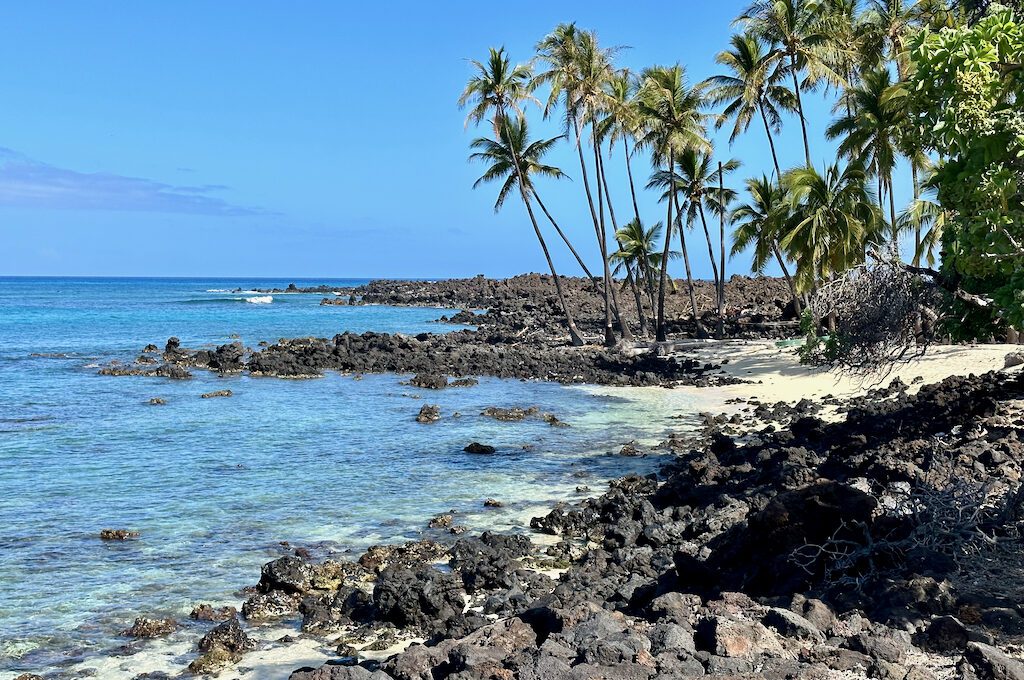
column 27, row 183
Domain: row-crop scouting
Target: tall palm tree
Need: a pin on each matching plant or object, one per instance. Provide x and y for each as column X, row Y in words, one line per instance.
column 759, row 224
column 501, row 88
column 806, row 45
column 833, row 217
column 871, row 132
column 576, row 69
column 673, row 122
column 622, row 122
column 751, row 88
column 696, row 181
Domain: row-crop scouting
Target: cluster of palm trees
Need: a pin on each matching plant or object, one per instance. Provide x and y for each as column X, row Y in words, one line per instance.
column 814, row 224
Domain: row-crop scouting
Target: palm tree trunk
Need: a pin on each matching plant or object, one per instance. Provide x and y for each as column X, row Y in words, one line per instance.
column 632, row 186
column 686, row 260
column 707, row 237
column 789, row 279
column 574, row 334
column 554, row 224
column 660, row 334
column 917, row 223
column 800, row 108
column 892, row 215
column 626, row 333
column 721, row 244
column 771, row 143
column 609, row 335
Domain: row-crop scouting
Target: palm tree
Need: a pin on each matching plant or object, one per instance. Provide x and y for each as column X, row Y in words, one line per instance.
column 622, row 122
column 887, row 27
column 698, row 183
column 499, row 155
column 806, row 44
column 833, row 217
column 638, row 250
column 752, row 88
column 673, row 122
column 499, row 87
column 759, row 225
column 871, row 132
column 576, row 71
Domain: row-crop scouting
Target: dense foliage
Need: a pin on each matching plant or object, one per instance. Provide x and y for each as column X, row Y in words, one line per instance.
column 967, row 91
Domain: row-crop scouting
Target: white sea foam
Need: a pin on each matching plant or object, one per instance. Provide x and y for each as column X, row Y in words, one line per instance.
column 217, row 290
column 260, row 299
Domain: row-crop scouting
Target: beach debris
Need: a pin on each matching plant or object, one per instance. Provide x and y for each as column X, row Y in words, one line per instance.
column 205, row 612
column 118, row 534
column 477, row 447
column 150, row 628
column 217, row 393
column 429, row 413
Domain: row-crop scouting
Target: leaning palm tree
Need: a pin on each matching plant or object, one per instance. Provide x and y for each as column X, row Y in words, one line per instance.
column 499, row 87
column 871, row 132
column 759, row 225
column 673, row 122
column 752, row 88
column 834, row 217
column 807, row 44
column 575, row 69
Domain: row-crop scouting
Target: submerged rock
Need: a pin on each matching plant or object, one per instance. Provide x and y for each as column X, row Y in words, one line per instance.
column 478, row 448
column 216, row 393
column 118, row 534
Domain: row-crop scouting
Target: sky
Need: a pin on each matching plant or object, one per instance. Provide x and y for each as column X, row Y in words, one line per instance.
column 312, row 139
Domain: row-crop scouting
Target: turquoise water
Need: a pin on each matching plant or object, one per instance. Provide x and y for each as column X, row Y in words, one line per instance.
column 214, row 485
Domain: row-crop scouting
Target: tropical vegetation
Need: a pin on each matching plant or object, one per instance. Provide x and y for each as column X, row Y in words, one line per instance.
column 925, row 94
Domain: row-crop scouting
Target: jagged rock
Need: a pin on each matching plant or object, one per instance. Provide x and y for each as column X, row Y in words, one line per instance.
column 157, row 401
column 222, row 646
column 424, row 598
column 429, row 413
column 991, row 664
column 478, row 448
column 791, row 625
column 150, row 628
column 946, row 634
column 205, row 612
column 1013, row 359
column 429, row 381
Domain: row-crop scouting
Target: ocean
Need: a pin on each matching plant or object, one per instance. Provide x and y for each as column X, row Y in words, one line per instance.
column 215, row 486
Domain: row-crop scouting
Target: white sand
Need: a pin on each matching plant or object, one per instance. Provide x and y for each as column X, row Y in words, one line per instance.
column 777, row 375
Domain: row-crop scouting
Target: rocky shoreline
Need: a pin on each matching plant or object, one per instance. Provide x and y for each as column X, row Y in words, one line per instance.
column 883, row 544
column 519, row 334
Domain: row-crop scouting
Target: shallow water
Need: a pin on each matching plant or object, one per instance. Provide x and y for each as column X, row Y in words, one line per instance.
column 214, row 485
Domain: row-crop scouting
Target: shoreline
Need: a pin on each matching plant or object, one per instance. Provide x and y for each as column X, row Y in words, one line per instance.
column 782, row 378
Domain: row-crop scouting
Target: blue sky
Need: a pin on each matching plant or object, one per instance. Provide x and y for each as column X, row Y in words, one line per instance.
column 316, row 139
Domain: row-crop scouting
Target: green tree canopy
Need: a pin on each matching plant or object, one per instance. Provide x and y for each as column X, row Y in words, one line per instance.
column 966, row 90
